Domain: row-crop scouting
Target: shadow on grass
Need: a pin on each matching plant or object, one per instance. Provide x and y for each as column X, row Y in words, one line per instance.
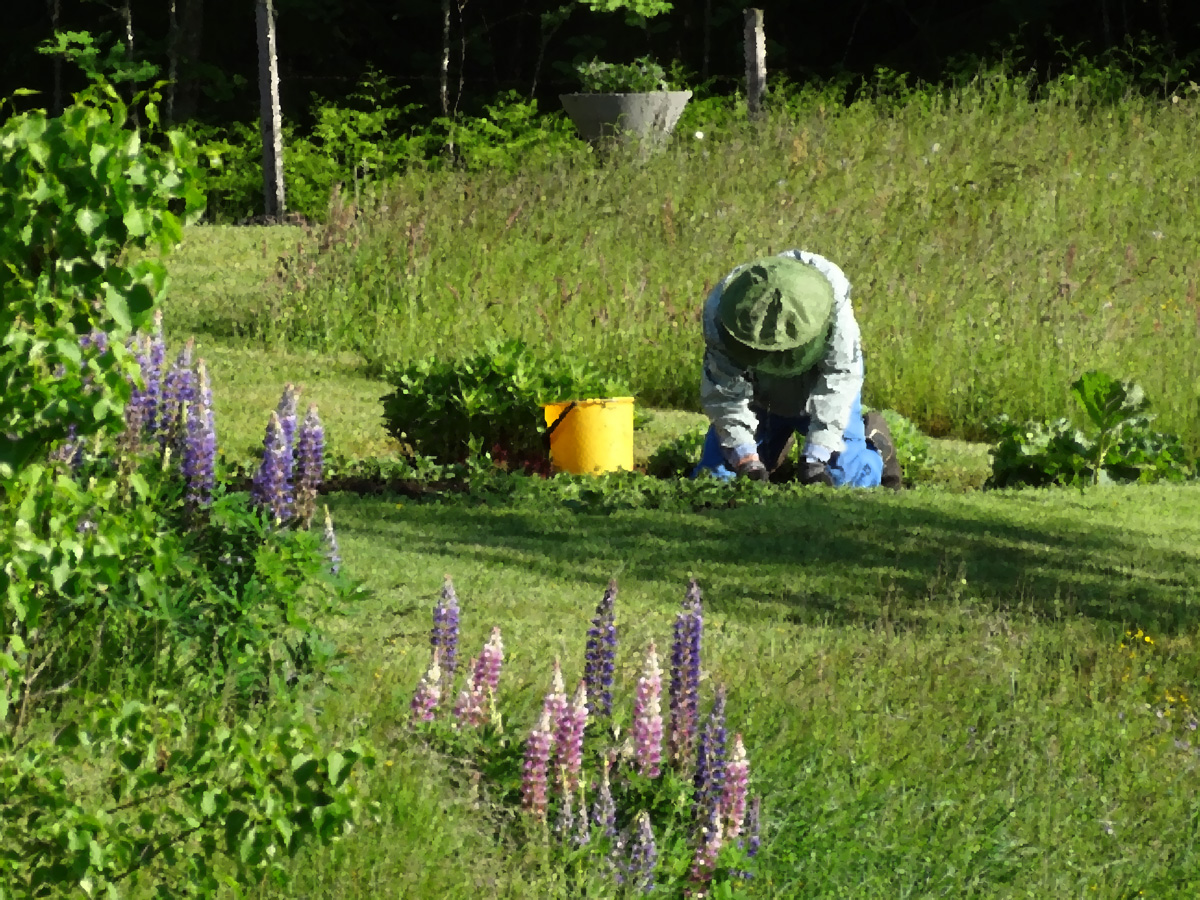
column 1128, row 556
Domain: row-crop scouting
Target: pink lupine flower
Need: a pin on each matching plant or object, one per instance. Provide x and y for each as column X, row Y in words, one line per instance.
column 536, row 767
column 733, row 797
column 555, row 704
column 469, row 707
column 647, row 717
column 704, row 863
column 569, row 738
column 425, row 699
column 487, row 665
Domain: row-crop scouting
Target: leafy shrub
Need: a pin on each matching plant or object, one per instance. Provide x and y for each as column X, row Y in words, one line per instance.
column 1124, row 449
column 508, row 137
column 676, row 458
column 453, row 410
column 640, row 76
column 363, row 141
column 134, row 796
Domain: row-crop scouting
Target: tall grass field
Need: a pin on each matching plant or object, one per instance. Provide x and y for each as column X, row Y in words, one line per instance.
column 997, row 248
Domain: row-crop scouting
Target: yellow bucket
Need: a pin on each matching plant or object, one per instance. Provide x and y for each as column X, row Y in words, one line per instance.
column 591, row 437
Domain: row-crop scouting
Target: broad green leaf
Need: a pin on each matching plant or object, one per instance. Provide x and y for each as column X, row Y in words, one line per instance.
column 89, row 221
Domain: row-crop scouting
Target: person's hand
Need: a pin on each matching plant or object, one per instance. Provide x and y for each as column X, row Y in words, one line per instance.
column 752, row 467
column 815, row 472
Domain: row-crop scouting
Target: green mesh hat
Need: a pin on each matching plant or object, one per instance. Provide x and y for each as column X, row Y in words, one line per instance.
column 776, row 313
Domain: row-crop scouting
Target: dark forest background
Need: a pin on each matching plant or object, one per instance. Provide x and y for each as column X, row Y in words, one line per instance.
column 326, row 46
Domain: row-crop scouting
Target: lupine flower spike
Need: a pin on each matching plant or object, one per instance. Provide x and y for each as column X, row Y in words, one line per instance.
column 709, row 779
column 425, row 698
column 179, row 390
column 200, row 446
column 477, row 699
column 331, row 545
column 271, row 489
column 564, row 825
column 647, row 717
column 445, row 629
column 555, row 704
column 600, row 654
column 684, row 689
column 310, row 465
column 604, row 810
column 287, row 409
column 536, row 768
column 737, row 781
column 643, row 856
column 753, row 825
column 468, row 709
column 569, row 738
column 704, row 863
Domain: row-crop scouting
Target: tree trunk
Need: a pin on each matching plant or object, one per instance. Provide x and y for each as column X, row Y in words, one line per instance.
column 126, row 12
column 269, row 117
column 189, row 38
column 172, row 58
column 444, row 74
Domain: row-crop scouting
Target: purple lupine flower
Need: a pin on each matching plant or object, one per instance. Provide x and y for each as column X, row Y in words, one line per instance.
column 643, row 856
column 569, row 737
column 555, row 704
column 199, row 457
column 178, row 390
column 287, row 410
column 271, row 490
column 583, row 825
column 737, row 782
column 310, row 465
column 445, row 629
column 600, row 654
column 752, row 827
column 156, row 359
column 536, row 767
column 564, row 825
column 708, row 846
column 331, row 545
column 428, row 693
column 469, row 708
column 70, row 449
column 684, row 689
column 604, row 810
column 647, row 717
column 709, row 779
column 489, row 663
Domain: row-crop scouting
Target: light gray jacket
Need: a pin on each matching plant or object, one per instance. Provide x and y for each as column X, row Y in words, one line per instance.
column 731, row 395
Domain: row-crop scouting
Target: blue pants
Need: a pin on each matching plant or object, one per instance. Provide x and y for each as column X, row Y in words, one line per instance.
column 856, row 466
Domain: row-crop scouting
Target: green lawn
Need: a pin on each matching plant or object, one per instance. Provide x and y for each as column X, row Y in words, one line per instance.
column 936, row 688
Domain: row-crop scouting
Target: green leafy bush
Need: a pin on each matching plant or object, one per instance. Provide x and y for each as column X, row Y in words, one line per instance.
column 453, row 410
column 76, row 191
column 511, row 135
column 640, row 76
column 676, row 458
column 1123, row 449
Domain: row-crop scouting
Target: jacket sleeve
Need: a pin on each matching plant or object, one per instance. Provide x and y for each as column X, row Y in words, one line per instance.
column 840, row 371
column 725, row 391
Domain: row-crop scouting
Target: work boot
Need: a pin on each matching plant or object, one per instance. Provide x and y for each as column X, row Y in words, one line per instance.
column 782, row 468
column 879, row 436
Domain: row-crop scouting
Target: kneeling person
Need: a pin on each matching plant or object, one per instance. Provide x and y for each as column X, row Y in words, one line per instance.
column 782, row 357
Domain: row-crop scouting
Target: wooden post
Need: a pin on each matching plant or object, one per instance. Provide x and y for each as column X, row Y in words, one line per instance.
column 756, row 61
column 270, row 121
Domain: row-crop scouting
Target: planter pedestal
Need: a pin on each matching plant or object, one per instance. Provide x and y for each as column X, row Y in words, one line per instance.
column 650, row 116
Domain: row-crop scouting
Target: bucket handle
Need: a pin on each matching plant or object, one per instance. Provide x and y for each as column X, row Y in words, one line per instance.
column 558, row 421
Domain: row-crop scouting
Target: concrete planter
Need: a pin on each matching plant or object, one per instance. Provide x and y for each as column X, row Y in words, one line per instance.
column 650, row 117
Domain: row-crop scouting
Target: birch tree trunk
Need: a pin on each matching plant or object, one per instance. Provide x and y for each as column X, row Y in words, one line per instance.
column 444, row 74
column 270, row 121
